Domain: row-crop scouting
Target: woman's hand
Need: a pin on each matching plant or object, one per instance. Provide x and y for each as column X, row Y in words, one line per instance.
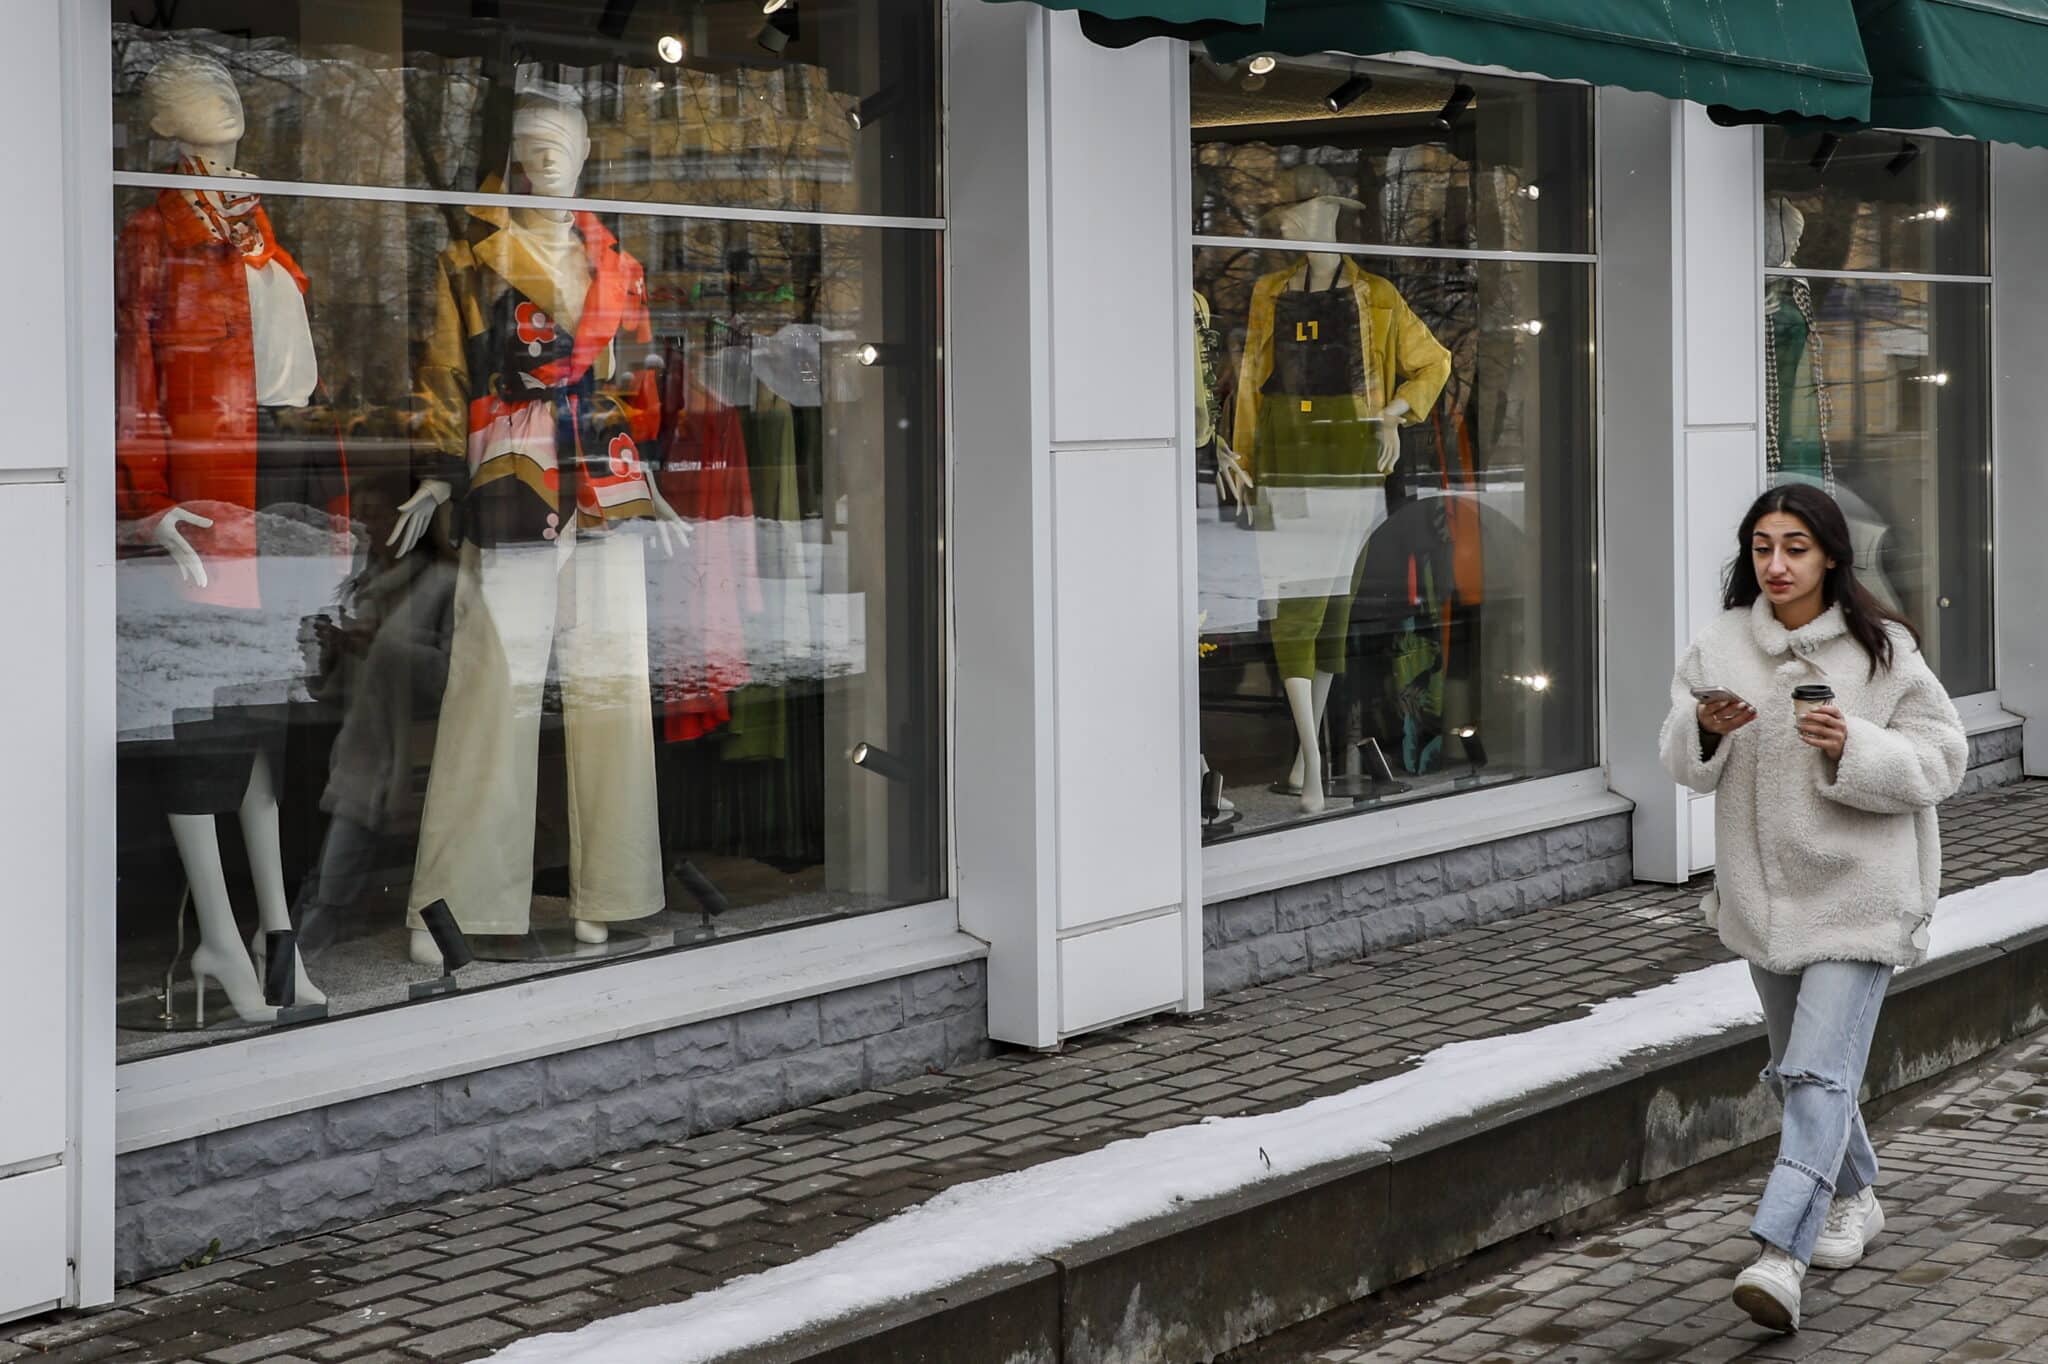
column 1826, row 729
column 1722, row 718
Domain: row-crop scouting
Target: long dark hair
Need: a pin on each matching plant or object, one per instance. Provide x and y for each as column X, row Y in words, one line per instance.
column 1868, row 618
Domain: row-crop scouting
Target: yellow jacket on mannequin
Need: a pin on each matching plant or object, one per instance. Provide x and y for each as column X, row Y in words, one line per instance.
column 1400, row 345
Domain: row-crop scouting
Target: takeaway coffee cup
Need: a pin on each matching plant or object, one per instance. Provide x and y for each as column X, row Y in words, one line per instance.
column 1809, row 698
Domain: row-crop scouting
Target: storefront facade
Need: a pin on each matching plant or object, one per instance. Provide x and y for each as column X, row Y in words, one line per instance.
column 606, row 571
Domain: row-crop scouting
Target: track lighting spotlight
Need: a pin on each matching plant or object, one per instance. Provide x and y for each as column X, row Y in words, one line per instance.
column 1461, row 99
column 1909, row 152
column 872, row 108
column 669, row 48
column 1262, row 65
column 781, row 28
column 1345, row 95
column 869, row 758
column 613, row 18
column 1824, row 154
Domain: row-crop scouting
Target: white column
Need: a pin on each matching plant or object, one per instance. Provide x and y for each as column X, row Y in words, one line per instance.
column 56, row 979
column 1073, row 531
column 2019, row 399
column 1681, row 341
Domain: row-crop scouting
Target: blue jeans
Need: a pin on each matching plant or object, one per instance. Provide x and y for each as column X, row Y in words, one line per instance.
column 1820, row 1021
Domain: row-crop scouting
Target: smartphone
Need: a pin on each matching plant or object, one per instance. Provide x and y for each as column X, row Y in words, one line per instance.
column 1720, row 696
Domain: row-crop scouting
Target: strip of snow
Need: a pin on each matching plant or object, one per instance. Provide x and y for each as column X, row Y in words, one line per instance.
column 1016, row 1218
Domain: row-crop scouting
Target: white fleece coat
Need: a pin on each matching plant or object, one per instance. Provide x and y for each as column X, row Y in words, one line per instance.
column 1819, row 860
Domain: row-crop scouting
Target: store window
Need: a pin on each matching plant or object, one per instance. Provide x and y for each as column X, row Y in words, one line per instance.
column 513, row 575
column 1877, row 369
column 1394, row 279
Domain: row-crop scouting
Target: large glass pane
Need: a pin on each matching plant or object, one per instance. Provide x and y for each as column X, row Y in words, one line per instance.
column 1415, row 599
column 1876, row 202
column 577, row 572
column 1407, row 157
column 1880, row 390
column 829, row 106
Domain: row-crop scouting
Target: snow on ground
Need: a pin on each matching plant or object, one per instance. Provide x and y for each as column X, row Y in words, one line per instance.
column 1013, row 1219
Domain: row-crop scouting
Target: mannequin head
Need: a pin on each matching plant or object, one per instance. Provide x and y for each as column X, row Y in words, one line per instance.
column 1310, row 214
column 191, row 100
column 550, row 143
column 1784, row 227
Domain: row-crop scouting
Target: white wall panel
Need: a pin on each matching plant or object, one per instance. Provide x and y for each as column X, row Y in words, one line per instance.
column 1723, row 283
column 32, row 353
column 1122, row 803
column 1110, row 142
column 34, row 818
column 33, row 1229
column 1720, row 483
column 1119, row 972
column 2019, row 199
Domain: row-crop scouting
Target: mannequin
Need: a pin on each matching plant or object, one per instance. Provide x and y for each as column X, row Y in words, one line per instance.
column 1317, row 432
column 212, row 344
column 1797, row 412
column 537, row 401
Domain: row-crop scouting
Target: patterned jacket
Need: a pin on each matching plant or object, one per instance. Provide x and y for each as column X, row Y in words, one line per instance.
column 528, row 423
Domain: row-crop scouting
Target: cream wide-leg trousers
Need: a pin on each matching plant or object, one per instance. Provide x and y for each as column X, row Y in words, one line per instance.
column 587, row 600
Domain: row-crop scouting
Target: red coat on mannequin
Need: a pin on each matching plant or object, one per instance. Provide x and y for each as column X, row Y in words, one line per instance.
column 185, row 391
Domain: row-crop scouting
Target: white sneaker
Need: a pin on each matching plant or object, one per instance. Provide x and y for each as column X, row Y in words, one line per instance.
column 1769, row 1290
column 1853, row 1223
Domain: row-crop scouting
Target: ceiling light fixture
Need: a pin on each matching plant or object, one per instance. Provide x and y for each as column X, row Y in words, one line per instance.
column 1909, row 152
column 1262, row 65
column 781, row 29
column 669, row 48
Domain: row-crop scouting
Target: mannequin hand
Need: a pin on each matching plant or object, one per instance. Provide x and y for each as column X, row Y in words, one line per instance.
column 1390, row 434
column 1233, row 480
column 672, row 530
column 190, row 566
column 416, row 513
column 1827, row 730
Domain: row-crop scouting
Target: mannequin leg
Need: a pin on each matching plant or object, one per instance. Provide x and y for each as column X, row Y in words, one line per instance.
column 1322, row 704
column 615, row 871
column 219, row 958
column 476, row 831
column 1301, row 701
column 266, row 864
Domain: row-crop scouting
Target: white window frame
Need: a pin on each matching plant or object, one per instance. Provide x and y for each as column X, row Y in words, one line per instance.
column 1291, row 854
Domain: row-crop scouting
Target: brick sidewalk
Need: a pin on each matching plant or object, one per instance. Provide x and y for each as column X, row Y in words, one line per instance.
column 1960, row 1273
column 454, row 1280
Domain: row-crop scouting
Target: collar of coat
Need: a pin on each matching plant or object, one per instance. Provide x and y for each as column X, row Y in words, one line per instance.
column 616, row 285
column 1777, row 642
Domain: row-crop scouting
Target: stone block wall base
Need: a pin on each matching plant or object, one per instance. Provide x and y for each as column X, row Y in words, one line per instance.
column 1297, row 929
column 1995, row 759
column 292, row 1176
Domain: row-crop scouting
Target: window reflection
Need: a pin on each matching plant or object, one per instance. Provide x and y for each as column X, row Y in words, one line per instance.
column 1396, row 451
column 1876, row 387
column 564, row 581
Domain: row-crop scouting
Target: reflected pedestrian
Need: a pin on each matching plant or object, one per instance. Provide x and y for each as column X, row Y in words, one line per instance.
column 1807, row 709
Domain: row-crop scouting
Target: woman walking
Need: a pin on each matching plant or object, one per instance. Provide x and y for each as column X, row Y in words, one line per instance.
column 1807, row 708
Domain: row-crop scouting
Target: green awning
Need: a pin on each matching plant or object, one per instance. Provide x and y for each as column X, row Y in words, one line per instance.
column 1119, row 23
column 1799, row 59
column 1976, row 68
